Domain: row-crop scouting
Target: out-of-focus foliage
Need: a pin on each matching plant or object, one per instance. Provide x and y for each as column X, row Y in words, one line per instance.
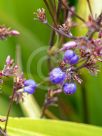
column 31, row 127
column 19, row 15
column 34, row 37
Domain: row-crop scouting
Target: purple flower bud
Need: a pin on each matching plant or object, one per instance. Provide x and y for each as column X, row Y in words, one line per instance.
column 29, row 86
column 71, row 11
column 29, row 89
column 57, row 76
column 29, row 82
column 14, row 32
column 69, row 88
column 68, row 45
column 74, row 60
column 8, row 60
column 68, row 55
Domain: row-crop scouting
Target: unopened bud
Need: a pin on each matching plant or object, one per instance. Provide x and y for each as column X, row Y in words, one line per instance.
column 8, row 60
column 68, row 45
column 14, row 32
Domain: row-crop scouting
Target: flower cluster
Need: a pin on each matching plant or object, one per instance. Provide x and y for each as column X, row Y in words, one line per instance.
column 79, row 52
column 62, row 76
column 21, row 85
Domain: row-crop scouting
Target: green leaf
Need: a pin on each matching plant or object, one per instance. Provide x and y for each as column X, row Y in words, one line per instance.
column 31, row 127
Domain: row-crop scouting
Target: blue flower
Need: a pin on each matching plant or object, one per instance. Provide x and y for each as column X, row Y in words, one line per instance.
column 70, row 57
column 69, row 88
column 30, row 86
column 74, row 60
column 57, row 76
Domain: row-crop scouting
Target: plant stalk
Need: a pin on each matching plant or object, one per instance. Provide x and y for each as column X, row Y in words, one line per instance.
column 9, row 109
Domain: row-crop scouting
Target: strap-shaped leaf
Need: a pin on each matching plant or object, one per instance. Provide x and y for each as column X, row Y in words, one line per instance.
column 32, row 127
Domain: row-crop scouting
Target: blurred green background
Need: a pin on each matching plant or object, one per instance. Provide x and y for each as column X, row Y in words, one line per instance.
column 85, row 105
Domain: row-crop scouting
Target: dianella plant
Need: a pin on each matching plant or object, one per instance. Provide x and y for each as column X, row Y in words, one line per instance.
column 67, row 55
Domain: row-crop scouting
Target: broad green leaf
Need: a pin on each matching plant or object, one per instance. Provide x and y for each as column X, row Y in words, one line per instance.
column 31, row 127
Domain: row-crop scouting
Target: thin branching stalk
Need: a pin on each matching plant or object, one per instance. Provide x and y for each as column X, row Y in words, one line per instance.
column 62, row 33
column 74, row 13
column 48, row 7
column 9, row 109
column 2, row 133
column 51, row 43
column 90, row 8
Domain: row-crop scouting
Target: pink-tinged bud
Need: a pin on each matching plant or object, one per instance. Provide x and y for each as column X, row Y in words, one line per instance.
column 100, row 34
column 8, row 60
column 14, row 32
column 68, row 45
column 16, row 67
column 72, row 11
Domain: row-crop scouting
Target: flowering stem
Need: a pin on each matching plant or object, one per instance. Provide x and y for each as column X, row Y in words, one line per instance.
column 43, row 110
column 45, row 105
column 2, row 133
column 44, row 81
column 59, row 9
column 9, row 109
column 73, row 12
column 88, row 1
column 47, row 5
column 51, row 43
column 62, row 33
